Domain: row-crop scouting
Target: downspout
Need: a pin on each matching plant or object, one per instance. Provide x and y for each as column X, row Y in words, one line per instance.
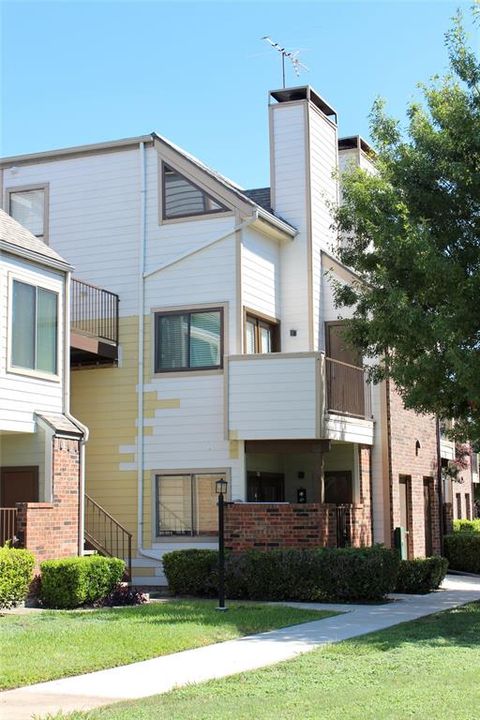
column 66, row 412
column 141, row 342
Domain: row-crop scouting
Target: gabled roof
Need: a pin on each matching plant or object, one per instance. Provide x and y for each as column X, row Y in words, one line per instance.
column 261, row 196
column 243, row 195
column 266, row 215
column 16, row 239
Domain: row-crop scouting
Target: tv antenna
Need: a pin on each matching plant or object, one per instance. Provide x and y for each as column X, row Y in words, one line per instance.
column 292, row 55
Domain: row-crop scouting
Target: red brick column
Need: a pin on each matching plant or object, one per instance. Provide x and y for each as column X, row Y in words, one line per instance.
column 50, row 530
column 265, row 526
column 361, row 513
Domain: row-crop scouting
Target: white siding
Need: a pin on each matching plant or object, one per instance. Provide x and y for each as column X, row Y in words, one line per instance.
column 289, row 197
column 260, row 274
column 21, row 395
column 323, row 194
column 273, row 397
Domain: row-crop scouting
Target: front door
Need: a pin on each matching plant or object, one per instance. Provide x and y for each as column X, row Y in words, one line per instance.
column 427, row 501
column 404, row 492
column 265, row 487
column 18, row 484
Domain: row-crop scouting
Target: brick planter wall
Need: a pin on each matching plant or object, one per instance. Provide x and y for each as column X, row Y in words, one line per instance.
column 50, row 530
column 265, row 526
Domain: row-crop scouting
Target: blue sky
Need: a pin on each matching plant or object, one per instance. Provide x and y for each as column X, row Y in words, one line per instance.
column 198, row 73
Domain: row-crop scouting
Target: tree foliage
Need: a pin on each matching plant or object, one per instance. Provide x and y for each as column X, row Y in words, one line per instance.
column 411, row 231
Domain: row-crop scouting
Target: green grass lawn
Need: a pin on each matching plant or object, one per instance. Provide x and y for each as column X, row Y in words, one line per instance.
column 53, row 644
column 427, row 670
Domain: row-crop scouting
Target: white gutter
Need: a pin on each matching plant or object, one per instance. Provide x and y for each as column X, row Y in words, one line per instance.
column 141, row 342
column 66, row 412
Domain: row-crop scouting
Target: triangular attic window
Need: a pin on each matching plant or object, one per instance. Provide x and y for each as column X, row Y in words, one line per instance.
column 181, row 198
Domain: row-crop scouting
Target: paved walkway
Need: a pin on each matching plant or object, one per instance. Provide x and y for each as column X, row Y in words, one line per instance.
column 160, row 675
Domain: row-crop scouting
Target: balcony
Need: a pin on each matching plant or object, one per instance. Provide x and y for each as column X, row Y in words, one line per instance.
column 93, row 325
column 288, row 396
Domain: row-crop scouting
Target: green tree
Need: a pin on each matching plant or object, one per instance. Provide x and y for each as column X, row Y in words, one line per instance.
column 411, row 232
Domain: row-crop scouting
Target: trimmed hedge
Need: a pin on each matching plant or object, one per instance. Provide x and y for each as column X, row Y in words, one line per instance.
column 462, row 550
column 421, row 575
column 347, row 574
column 192, row 572
column 16, row 571
column 466, row 526
column 71, row 582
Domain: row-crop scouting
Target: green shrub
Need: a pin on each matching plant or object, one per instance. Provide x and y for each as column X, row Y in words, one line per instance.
column 462, row 550
column 75, row 581
column 191, row 572
column 310, row 575
column 466, row 526
column 421, row 575
column 16, row 570
column 358, row 574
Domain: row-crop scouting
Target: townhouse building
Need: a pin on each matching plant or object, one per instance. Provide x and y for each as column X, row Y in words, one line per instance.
column 41, row 443
column 206, row 345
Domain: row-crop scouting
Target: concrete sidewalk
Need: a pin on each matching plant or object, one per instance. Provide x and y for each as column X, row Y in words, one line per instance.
column 160, row 675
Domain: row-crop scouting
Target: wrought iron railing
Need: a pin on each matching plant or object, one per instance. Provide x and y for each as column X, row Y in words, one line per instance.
column 348, row 392
column 94, row 311
column 8, row 525
column 344, row 530
column 106, row 535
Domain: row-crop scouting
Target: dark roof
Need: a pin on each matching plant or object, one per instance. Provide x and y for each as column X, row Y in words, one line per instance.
column 17, row 237
column 260, row 196
column 60, row 424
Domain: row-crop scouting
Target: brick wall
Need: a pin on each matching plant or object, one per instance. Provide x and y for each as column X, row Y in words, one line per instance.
column 50, row 530
column 262, row 526
column 406, row 428
column 361, row 514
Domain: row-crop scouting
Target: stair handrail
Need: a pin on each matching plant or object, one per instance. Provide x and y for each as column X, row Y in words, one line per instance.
column 101, row 546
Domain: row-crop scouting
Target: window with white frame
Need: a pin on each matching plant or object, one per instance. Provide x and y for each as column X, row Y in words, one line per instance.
column 189, row 340
column 34, row 335
column 28, row 207
column 186, row 504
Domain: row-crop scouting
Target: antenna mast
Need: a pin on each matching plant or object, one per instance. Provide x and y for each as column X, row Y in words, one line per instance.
column 292, row 55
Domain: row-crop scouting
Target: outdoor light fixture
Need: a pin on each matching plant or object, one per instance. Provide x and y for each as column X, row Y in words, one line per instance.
column 221, row 487
column 221, row 490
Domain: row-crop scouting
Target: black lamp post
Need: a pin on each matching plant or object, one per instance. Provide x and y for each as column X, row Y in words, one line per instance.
column 221, row 490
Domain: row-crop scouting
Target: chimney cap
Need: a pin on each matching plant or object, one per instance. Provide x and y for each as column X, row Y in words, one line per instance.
column 304, row 92
column 355, row 141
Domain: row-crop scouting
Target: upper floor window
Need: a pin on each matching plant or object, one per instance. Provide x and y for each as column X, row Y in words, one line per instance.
column 34, row 328
column 261, row 336
column 181, row 198
column 189, row 340
column 28, row 206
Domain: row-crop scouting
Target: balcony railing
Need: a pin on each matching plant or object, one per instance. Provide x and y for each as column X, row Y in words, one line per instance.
column 348, row 392
column 94, row 311
column 8, row 524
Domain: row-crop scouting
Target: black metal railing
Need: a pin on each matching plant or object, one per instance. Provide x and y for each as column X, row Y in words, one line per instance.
column 94, row 311
column 106, row 535
column 8, row 525
column 348, row 392
column 344, row 530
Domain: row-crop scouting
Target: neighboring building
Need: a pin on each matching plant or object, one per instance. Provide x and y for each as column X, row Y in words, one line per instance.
column 230, row 361
column 41, row 493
